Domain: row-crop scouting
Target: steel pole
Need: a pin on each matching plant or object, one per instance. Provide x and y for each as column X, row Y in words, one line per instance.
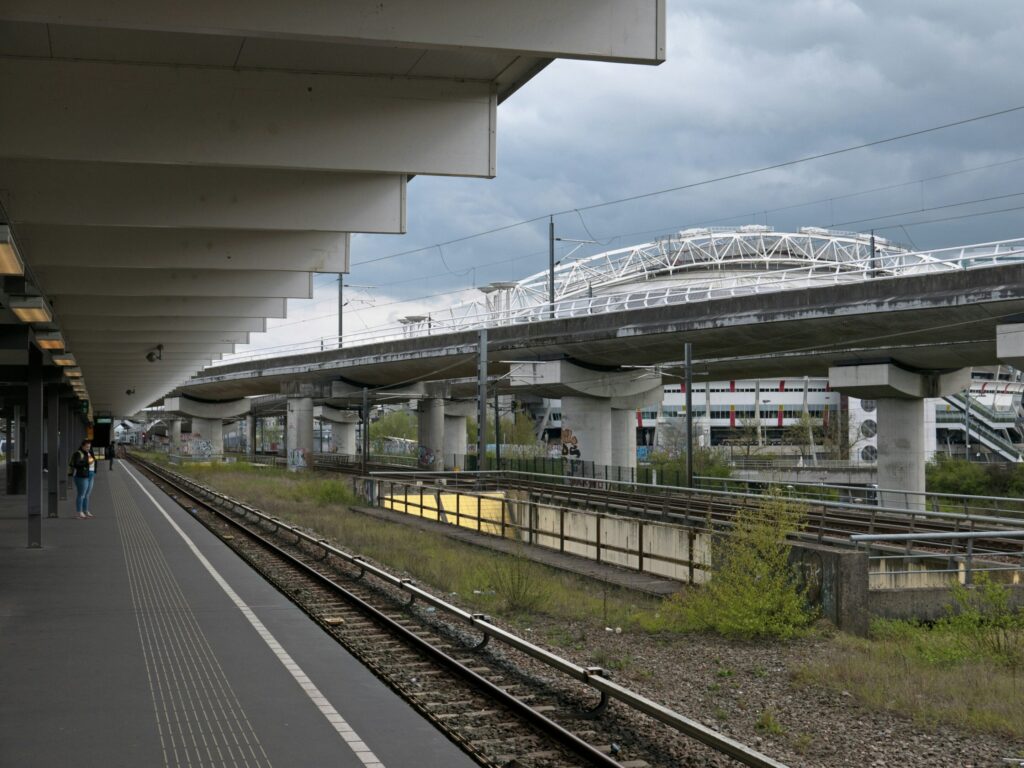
column 53, row 448
column 688, row 358
column 366, row 428
column 34, row 459
column 341, row 304
column 481, row 405
column 497, row 433
column 551, row 266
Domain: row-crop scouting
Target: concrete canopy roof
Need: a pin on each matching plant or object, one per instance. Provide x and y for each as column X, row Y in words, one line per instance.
column 176, row 172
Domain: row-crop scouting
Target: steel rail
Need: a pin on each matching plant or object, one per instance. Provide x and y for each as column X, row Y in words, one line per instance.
column 594, row 677
column 568, row 739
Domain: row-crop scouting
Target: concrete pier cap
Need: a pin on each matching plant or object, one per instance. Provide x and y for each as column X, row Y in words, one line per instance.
column 598, row 406
column 900, row 395
column 1010, row 344
column 201, row 409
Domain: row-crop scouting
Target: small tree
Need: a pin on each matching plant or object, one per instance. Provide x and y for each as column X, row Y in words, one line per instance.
column 753, row 592
column 400, row 424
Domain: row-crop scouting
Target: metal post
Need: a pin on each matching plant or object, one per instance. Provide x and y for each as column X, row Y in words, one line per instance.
column 873, row 252
column 64, row 450
column 551, row 266
column 9, row 453
column 688, row 358
column 53, row 465
column 34, row 435
column 497, row 433
column 481, row 431
column 967, row 422
column 366, row 428
column 341, row 304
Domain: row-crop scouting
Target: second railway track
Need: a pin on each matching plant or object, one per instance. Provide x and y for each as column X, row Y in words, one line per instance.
column 481, row 699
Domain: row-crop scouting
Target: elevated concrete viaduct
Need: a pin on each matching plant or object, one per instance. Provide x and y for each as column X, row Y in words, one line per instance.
column 926, row 327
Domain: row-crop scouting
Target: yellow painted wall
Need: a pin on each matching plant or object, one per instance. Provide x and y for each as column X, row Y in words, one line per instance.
column 458, row 510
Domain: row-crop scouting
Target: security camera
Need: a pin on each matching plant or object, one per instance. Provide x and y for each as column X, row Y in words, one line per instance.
column 155, row 354
column 129, row 391
column 151, row 357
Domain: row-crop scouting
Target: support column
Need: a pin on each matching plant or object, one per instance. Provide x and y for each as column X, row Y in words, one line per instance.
column 250, row 435
column 344, row 437
column 34, row 439
column 900, row 395
column 624, row 441
column 430, row 434
column 175, row 436
column 64, row 452
column 456, row 438
column 299, row 428
column 53, row 465
column 207, row 437
column 216, row 427
column 587, row 429
column 901, row 459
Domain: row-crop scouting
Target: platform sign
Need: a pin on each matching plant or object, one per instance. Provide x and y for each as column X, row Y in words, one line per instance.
column 83, row 407
column 103, row 420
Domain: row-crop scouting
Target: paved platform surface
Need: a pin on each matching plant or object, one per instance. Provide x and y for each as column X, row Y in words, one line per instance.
column 138, row 639
column 591, row 569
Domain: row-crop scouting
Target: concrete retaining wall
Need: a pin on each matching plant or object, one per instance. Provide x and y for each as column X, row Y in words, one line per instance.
column 922, row 604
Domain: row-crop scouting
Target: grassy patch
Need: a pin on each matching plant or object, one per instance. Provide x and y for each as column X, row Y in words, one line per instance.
column 489, row 582
column 964, row 670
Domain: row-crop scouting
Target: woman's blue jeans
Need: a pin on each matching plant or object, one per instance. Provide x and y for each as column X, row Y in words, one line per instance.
column 84, row 487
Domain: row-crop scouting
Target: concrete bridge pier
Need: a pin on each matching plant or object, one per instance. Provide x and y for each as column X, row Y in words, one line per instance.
column 343, row 427
column 175, row 430
column 211, row 431
column 900, row 396
column 207, row 419
column 598, row 407
column 624, row 438
column 456, row 436
column 430, row 433
column 250, row 435
column 299, row 432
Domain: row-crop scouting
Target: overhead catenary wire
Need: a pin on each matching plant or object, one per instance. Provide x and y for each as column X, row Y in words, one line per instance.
column 708, row 181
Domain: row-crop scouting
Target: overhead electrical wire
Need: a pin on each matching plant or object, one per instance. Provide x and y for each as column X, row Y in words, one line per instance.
column 705, row 182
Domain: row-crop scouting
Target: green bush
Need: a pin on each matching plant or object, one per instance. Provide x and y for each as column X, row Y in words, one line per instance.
column 984, row 624
column 753, row 591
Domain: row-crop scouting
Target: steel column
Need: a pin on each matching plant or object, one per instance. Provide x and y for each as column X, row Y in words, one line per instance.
column 64, row 451
column 688, row 353
column 481, row 395
column 34, row 435
column 53, row 472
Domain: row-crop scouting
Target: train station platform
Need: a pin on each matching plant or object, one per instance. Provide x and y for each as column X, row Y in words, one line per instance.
column 136, row 638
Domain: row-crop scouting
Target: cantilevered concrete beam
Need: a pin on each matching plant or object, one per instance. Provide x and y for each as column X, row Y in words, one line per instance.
column 173, row 348
column 199, row 197
column 76, row 323
column 108, row 305
column 611, row 30
column 49, row 245
column 133, row 337
column 59, row 281
column 131, row 113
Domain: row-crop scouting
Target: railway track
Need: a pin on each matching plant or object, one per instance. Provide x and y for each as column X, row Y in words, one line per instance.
column 479, row 696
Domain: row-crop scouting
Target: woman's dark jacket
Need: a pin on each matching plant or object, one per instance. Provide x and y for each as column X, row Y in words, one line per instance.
column 80, row 462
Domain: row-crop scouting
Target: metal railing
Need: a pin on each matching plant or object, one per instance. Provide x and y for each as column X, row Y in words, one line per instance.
column 813, row 274
column 466, row 508
column 963, row 553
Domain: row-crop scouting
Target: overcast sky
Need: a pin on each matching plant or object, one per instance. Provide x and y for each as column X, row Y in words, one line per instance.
column 746, row 84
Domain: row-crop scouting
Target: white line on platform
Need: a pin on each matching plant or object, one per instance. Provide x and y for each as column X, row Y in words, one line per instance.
column 352, row 739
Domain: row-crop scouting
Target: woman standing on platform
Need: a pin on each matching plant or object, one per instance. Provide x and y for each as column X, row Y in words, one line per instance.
column 83, row 467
